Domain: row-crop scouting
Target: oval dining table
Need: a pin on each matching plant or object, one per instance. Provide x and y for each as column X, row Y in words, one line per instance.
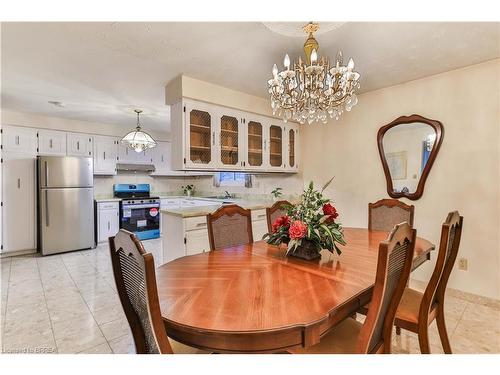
column 255, row 299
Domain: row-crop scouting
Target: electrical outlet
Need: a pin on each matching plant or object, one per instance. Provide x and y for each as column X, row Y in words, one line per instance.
column 462, row 264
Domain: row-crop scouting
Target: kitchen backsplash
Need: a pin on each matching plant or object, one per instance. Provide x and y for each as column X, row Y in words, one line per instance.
column 262, row 185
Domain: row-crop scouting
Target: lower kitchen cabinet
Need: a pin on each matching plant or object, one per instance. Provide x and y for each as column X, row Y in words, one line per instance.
column 19, row 208
column 108, row 220
column 259, row 224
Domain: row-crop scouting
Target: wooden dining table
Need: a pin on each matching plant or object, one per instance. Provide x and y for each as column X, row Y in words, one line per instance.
column 254, row 298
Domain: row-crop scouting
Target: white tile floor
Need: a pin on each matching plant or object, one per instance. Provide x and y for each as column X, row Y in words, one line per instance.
column 68, row 303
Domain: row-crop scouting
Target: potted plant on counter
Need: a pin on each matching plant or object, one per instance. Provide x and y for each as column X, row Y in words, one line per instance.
column 188, row 190
column 309, row 226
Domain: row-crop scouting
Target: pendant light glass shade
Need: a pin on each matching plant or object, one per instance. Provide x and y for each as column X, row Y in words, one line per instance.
column 137, row 139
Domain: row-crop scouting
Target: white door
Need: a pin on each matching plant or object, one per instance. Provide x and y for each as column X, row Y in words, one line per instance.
column 51, row 142
column 109, row 224
column 105, row 154
column 201, row 136
column 197, row 242
column 18, row 203
column 19, row 140
column 161, row 157
column 78, row 144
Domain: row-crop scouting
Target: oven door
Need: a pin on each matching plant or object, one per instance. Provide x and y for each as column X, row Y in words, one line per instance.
column 143, row 219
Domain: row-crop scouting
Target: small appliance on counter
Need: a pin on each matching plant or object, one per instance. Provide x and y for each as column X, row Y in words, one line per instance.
column 65, row 204
column 139, row 212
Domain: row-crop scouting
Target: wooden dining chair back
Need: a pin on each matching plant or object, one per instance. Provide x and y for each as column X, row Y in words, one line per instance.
column 393, row 269
column 417, row 311
column 230, row 225
column 277, row 210
column 386, row 213
column 135, row 279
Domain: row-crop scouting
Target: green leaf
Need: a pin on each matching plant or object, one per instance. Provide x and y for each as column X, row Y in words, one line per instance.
column 327, row 184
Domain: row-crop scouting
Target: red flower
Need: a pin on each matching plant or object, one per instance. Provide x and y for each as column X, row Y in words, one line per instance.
column 331, row 211
column 297, row 230
column 283, row 221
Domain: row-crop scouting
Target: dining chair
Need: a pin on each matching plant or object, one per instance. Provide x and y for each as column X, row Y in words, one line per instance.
column 418, row 310
column 374, row 335
column 277, row 210
column 385, row 213
column 230, row 225
column 135, row 279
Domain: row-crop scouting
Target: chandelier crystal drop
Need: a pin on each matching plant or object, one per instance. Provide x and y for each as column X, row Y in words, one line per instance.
column 137, row 139
column 313, row 89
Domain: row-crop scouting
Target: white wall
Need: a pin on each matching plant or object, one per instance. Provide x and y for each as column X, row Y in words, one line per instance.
column 465, row 175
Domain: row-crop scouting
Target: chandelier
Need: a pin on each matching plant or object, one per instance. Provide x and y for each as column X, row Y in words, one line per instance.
column 313, row 90
column 137, row 139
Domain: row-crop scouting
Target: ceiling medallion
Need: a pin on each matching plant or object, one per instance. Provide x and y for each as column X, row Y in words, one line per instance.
column 137, row 139
column 313, row 90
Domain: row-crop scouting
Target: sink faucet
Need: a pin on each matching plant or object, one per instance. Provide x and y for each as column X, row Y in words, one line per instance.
column 228, row 195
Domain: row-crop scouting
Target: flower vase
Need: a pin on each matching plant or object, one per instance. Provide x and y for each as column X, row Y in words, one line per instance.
column 306, row 250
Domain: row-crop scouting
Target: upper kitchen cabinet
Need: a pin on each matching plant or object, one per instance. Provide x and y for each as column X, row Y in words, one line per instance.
column 231, row 139
column 51, row 142
column 105, row 154
column 17, row 139
column 276, row 143
column 211, row 137
column 292, row 151
column 78, row 144
column 256, row 134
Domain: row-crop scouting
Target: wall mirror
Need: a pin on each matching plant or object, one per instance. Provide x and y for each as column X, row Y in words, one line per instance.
column 408, row 147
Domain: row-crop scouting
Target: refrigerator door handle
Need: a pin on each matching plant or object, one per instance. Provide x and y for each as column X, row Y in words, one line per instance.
column 46, row 174
column 46, row 208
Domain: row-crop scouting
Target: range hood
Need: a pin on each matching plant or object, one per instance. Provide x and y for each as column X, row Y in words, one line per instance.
column 135, row 167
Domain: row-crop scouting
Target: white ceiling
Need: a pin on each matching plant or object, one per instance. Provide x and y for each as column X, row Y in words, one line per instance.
column 102, row 71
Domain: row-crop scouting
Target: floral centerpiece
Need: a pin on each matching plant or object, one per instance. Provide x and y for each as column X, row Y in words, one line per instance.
column 309, row 226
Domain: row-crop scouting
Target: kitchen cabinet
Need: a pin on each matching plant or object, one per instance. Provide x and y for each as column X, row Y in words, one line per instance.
column 259, row 224
column 18, row 139
column 197, row 242
column 200, row 135
column 292, row 150
column 231, row 139
column 19, row 204
column 51, row 142
column 108, row 220
column 211, row 137
column 129, row 156
column 79, row 144
column 105, row 155
column 256, row 142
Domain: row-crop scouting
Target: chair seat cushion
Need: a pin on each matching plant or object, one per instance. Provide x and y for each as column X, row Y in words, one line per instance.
column 179, row 348
column 340, row 340
column 409, row 306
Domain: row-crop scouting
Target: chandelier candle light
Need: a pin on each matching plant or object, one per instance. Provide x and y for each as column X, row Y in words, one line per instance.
column 313, row 89
column 137, row 139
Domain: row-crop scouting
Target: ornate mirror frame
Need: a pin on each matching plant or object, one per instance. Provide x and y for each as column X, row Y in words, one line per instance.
column 438, row 128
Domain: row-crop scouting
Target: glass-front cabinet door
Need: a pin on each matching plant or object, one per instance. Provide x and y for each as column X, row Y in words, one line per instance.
column 230, row 140
column 292, row 152
column 255, row 144
column 275, row 147
column 200, row 136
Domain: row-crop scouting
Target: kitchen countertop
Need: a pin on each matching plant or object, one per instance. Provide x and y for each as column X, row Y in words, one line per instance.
column 204, row 210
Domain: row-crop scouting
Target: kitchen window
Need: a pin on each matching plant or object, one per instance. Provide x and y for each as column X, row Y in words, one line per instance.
column 232, row 179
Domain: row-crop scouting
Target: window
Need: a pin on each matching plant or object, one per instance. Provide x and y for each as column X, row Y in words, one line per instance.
column 232, row 179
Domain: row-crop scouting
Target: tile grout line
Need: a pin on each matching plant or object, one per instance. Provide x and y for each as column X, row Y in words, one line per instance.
column 86, row 304
column 460, row 319
column 6, row 305
column 46, row 305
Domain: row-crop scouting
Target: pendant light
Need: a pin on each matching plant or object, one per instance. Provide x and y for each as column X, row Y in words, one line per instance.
column 137, row 139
